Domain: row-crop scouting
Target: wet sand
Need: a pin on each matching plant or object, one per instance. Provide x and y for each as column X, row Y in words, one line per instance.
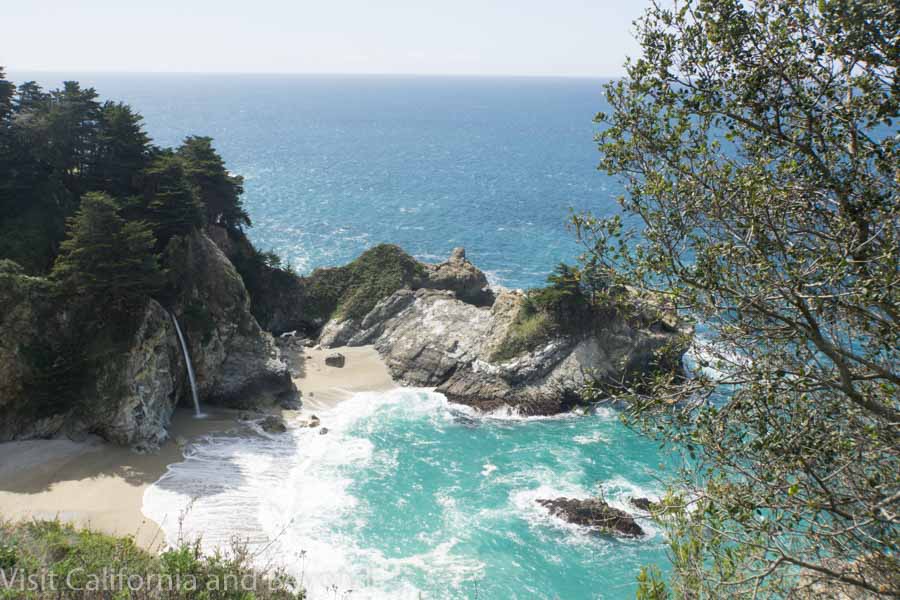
column 323, row 386
column 92, row 484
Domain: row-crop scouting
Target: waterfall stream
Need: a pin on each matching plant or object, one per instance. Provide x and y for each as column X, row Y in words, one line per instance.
column 190, row 367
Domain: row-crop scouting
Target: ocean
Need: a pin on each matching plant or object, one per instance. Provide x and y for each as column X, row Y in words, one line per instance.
column 336, row 164
column 408, row 496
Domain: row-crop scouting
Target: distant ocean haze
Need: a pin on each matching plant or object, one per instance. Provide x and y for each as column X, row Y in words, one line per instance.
column 336, row 164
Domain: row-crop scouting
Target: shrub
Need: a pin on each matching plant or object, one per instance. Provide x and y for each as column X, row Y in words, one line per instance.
column 76, row 558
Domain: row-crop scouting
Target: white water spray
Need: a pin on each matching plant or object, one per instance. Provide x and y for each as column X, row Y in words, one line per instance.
column 190, row 368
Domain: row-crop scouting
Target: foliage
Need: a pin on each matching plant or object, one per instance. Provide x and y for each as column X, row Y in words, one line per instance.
column 755, row 142
column 529, row 329
column 123, row 151
column 57, row 146
column 78, row 559
column 219, row 191
column 568, row 305
column 106, row 257
column 351, row 291
column 170, row 200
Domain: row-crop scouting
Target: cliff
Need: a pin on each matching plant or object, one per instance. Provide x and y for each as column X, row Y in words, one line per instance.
column 435, row 325
column 62, row 372
column 502, row 353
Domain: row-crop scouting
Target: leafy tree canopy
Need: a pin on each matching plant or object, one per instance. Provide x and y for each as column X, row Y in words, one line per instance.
column 756, row 140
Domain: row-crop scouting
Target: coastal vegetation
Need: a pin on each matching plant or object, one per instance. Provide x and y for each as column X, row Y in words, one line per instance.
column 49, row 559
column 93, row 223
column 82, row 179
column 351, row 291
column 758, row 144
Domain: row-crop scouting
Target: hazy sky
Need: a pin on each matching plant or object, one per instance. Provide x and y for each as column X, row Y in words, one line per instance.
column 488, row 37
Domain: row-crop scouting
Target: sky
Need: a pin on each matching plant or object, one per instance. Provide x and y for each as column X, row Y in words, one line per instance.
column 471, row 37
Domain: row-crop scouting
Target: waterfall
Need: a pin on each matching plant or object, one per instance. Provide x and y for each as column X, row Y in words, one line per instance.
column 190, row 367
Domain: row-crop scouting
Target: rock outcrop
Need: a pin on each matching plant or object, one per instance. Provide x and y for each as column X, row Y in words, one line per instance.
column 235, row 361
column 134, row 394
column 593, row 513
column 461, row 277
column 66, row 369
column 433, row 338
column 31, row 324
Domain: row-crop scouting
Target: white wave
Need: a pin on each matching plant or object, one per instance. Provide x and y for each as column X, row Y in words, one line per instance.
column 508, row 413
column 289, row 496
column 595, row 437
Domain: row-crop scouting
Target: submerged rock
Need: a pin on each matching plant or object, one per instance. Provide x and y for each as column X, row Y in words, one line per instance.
column 593, row 513
column 273, row 424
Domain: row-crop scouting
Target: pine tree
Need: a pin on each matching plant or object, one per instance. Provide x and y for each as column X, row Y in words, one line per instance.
column 219, row 191
column 123, row 150
column 71, row 124
column 7, row 91
column 171, row 202
column 30, row 97
column 106, row 257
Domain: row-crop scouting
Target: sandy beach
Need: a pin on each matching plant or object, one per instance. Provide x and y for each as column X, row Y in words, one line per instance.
column 93, row 484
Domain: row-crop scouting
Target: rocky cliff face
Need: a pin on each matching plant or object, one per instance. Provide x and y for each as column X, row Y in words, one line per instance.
column 29, row 323
column 58, row 377
column 134, row 394
column 432, row 337
column 235, row 361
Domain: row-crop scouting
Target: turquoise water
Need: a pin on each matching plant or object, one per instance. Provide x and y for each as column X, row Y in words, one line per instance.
column 407, row 497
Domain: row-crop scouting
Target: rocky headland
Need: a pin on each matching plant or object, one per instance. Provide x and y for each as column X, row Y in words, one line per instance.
column 488, row 349
column 434, row 325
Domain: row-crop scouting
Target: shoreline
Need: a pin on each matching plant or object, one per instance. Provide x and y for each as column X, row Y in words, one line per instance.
column 100, row 486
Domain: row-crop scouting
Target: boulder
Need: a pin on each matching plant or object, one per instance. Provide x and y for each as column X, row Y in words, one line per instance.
column 273, row 424
column 593, row 513
column 323, row 431
column 644, row 504
column 335, row 359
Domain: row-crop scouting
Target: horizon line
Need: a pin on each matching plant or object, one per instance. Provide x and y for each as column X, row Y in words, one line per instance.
column 303, row 73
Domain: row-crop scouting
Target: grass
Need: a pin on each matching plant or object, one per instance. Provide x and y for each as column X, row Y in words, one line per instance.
column 531, row 327
column 41, row 560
